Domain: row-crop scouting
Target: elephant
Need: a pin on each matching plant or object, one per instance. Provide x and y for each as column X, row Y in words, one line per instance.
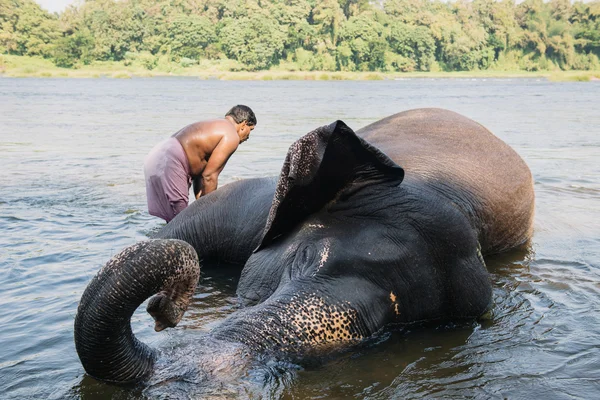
column 388, row 224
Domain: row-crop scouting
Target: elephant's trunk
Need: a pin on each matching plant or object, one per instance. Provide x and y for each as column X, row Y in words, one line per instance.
column 104, row 341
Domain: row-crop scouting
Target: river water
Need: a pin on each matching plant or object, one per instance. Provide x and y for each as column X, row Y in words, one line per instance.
column 72, row 195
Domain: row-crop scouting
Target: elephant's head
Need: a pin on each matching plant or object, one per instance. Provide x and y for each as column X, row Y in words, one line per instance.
column 308, row 278
column 348, row 248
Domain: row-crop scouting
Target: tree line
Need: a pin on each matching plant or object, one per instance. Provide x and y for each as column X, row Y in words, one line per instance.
column 325, row 35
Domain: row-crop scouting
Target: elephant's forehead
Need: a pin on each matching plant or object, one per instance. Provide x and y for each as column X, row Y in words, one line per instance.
column 320, row 226
column 314, row 232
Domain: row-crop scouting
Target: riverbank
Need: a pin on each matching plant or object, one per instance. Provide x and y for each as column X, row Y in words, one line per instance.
column 22, row 66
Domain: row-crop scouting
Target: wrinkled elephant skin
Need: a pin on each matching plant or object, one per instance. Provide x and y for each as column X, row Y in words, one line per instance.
column 388, row 224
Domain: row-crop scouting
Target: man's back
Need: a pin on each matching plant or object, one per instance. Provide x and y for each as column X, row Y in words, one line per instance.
column 200, row 139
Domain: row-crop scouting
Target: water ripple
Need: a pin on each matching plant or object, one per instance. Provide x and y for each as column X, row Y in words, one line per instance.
column 74, row 196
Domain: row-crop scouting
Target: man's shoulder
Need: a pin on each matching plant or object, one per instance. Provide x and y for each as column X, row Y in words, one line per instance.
column 216, row 122
column 216, row 126
column 226, row 130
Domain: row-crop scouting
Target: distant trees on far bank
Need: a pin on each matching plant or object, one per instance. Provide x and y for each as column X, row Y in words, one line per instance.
column 325, row 35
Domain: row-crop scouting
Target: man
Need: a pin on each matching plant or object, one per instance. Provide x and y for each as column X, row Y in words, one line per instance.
column 197, row 153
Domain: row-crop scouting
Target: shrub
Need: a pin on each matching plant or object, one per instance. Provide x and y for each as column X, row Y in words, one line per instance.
column 187, row 62
column 304, row 59
column 147, row 60
column 587, row 62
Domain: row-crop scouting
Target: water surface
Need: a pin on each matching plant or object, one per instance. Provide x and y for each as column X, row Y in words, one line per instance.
column 72, row 195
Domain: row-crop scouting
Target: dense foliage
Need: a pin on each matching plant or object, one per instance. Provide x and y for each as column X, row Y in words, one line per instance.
column 328, row 35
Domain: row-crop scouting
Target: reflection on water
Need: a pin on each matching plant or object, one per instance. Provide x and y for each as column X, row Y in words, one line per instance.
column 72, row 195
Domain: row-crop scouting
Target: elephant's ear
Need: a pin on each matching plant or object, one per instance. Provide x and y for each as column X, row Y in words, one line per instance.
column 317, row 167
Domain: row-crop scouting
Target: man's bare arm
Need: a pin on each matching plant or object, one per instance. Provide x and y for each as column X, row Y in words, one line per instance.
column 216, row 163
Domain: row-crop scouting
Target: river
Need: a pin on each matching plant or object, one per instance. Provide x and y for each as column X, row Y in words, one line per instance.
column 72, row 195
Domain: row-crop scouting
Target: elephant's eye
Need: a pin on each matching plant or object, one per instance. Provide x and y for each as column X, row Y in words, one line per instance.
column 305, row 257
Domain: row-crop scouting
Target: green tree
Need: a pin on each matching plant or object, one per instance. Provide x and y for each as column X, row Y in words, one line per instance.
column 498, row 21
column 414, row 12
column 413, row 42
column 330, row 34
column 292, row 16
column 365, row 38
column 256, row 43
column 71, row 49
column 547, row 33
column 117, row 27
column 26, row 29
column 328, row 16
column 9, row 17
column 189, row 35
column 585, row 20
column 353, row 7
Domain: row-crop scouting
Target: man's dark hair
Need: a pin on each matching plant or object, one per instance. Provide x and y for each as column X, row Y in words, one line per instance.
column 241, row 113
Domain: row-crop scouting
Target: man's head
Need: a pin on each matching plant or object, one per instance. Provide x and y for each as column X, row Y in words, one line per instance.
column 244, row 119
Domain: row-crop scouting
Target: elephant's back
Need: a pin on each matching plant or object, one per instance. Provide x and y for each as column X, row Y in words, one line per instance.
column 461, row 157
column 208, row 224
